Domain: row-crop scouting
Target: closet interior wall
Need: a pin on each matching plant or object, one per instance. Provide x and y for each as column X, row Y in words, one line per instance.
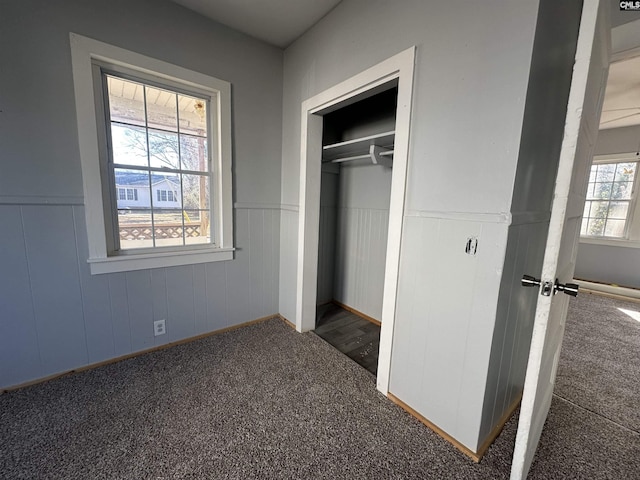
column 354, row 210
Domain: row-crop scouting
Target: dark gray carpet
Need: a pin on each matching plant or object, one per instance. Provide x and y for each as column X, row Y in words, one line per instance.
column 265, row 402
column 599, row 366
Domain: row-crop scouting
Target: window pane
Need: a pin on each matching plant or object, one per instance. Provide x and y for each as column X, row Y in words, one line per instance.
column 193, row 115
column 625, row 172
column 602, row 190
column 592, row 173
column 168, row 227
column 126, row 101
column 618, row 210
column 163, row 149
column 196, row 192
column 599, row 209
column 133, row 188
column 583, row 226
column 193, row 152
column 595, row 226
column 621, row 190
column 605, row 172
column 587, row 207
column 162, row 184
column 197, row 227
column 134, row 228
column 590, row 190
column 129, row 145
column 614, row 228
column 161, row 109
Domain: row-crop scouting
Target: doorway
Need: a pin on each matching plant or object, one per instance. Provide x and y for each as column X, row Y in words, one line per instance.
column 357, row 166
column 376, row 79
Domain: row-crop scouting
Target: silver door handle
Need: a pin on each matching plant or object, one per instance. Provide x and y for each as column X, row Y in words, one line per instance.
column 568, row 288
column 548, row 287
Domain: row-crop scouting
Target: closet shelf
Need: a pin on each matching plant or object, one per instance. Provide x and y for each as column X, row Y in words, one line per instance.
column 378, row 148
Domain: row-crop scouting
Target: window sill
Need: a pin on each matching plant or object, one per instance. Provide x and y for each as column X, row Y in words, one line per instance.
column 143, row 261
column 611, row 242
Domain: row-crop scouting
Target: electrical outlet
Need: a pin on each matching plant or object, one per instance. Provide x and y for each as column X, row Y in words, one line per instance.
column 159, row 328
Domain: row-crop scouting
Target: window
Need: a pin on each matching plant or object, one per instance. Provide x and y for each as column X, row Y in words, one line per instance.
column 128, row 194
column 166, row 196
column 160, row 194
column 610, row 199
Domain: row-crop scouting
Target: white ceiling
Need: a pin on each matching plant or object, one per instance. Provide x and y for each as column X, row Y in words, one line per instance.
column 621, row 106
column 278, row 22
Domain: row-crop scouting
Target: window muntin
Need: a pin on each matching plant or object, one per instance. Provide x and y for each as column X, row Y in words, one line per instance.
column 159, row 140
column 609, row 200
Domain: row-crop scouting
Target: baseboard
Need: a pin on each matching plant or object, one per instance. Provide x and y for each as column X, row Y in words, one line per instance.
column 358, row 313
column 91, row 366
column 608, row 290
column 475, row 456
column 467, row 451
column 287, row 322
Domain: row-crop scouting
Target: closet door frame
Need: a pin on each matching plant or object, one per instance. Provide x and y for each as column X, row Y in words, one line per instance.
column 400, row 69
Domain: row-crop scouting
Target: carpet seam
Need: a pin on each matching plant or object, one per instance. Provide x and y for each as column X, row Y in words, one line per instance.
column 596, row 413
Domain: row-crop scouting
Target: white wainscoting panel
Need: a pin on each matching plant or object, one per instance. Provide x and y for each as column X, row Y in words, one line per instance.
column 288, row 263
column 56, row 316
column 444, row 320
column 514, row 322
column 361, row 247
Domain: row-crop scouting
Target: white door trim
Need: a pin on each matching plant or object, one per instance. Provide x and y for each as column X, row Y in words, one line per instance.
column 398, row 67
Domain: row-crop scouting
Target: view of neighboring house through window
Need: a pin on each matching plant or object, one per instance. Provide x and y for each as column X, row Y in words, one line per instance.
column 160, row 164
column 609, row 200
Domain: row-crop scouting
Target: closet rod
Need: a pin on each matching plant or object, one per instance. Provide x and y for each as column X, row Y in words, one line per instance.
column 376, row 154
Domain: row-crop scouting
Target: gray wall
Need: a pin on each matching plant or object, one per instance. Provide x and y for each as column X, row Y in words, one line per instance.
column 619, row 265
column 469, row 80
column 55, row 316
column 542, row 133
column 618, row 140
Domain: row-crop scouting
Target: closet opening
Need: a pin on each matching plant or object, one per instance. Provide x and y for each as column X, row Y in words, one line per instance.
column 355, row 192
column 395, row 72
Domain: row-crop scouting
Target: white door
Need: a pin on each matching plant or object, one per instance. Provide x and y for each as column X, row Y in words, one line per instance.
column 581, row 128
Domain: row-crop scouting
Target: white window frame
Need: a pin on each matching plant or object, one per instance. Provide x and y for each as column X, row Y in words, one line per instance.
column 84, row 52
column 632, row 227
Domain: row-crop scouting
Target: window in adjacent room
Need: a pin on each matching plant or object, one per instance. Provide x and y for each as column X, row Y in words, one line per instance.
column 610, row 199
